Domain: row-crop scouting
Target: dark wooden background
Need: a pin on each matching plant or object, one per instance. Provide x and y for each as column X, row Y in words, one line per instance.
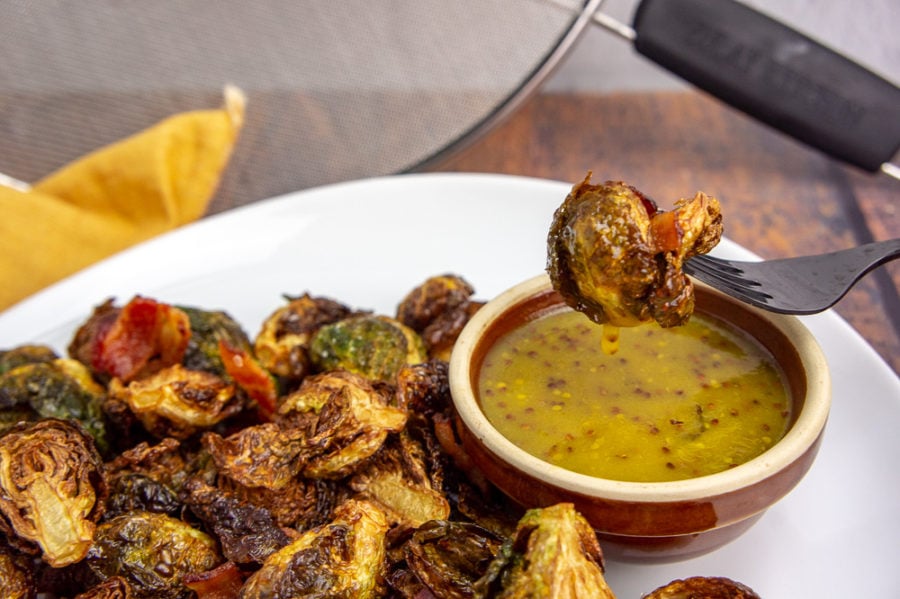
column 779, row 198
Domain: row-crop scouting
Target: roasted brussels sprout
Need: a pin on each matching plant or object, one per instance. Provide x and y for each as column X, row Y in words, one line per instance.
column 130, row 342
column 152, row 552
column 438, row 309
column 264, row 455
column 282, row 344
column 176, row 402
column 374, row 346
column 344, row 558
column 554, row 554
column 138, row 492
column 165, row 462
column 52, row 488
column 397, row 478
column 612, row 254
column 347, row 419
column 450, row 557
column 25, row 354
column 247, row 533
column 705, row 587
column 62, row 388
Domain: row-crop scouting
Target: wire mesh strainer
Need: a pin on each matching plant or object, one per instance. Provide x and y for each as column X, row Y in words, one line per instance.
column 336, row 90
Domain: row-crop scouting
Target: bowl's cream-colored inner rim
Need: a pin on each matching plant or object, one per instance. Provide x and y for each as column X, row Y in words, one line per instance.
column 806, row 429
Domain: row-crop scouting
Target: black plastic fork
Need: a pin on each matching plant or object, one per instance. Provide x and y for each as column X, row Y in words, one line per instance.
column 804, row 285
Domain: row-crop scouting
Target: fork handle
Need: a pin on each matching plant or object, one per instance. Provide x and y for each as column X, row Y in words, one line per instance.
column 776, row 75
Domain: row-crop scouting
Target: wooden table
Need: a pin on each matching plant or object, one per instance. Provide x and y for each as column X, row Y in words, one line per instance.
column 779, row 198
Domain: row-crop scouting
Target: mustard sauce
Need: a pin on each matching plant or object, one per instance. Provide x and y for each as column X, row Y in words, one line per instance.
column 670, row 404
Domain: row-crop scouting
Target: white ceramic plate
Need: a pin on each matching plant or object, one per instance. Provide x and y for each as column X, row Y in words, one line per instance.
column 367, row 243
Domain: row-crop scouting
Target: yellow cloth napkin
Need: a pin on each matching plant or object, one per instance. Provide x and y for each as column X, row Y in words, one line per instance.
column 149, row 183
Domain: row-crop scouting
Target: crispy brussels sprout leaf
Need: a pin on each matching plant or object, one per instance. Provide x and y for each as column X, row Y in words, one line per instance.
column 553, row 555
column 25, row 354
column 702, row 586
column 347, row 418
column 247, row 533
column 177, row 402
column 397, row 479
column 282, row 344
column 342, row 559
column 264, row 455
column 301, row 408
column 614, row 256
column 375, row 347
column 152, row 552
column 165, row 462
column 450, row 557
column 61, row 388
column 301, row 504
column 52, row 488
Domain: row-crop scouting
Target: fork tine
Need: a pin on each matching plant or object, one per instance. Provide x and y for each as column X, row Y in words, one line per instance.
column 718, row 264
column 801, row 285
column 727, row 277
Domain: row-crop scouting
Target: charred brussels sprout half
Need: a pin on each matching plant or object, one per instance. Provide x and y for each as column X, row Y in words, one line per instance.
column 450, row 557
column 436, row 296
column 177, row 402
column 247, row 533
column 52, row 489
column 346, row 419
column 263, row 455
column 344, row 558
column 554, row 554
column 153, row 552
column 376, row 347
column 398, row 479
column 61, row 388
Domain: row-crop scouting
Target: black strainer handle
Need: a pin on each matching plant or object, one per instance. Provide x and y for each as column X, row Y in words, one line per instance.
column 776, row 75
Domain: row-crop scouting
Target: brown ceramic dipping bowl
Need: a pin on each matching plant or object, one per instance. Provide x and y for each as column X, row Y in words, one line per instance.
column 656, row 521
